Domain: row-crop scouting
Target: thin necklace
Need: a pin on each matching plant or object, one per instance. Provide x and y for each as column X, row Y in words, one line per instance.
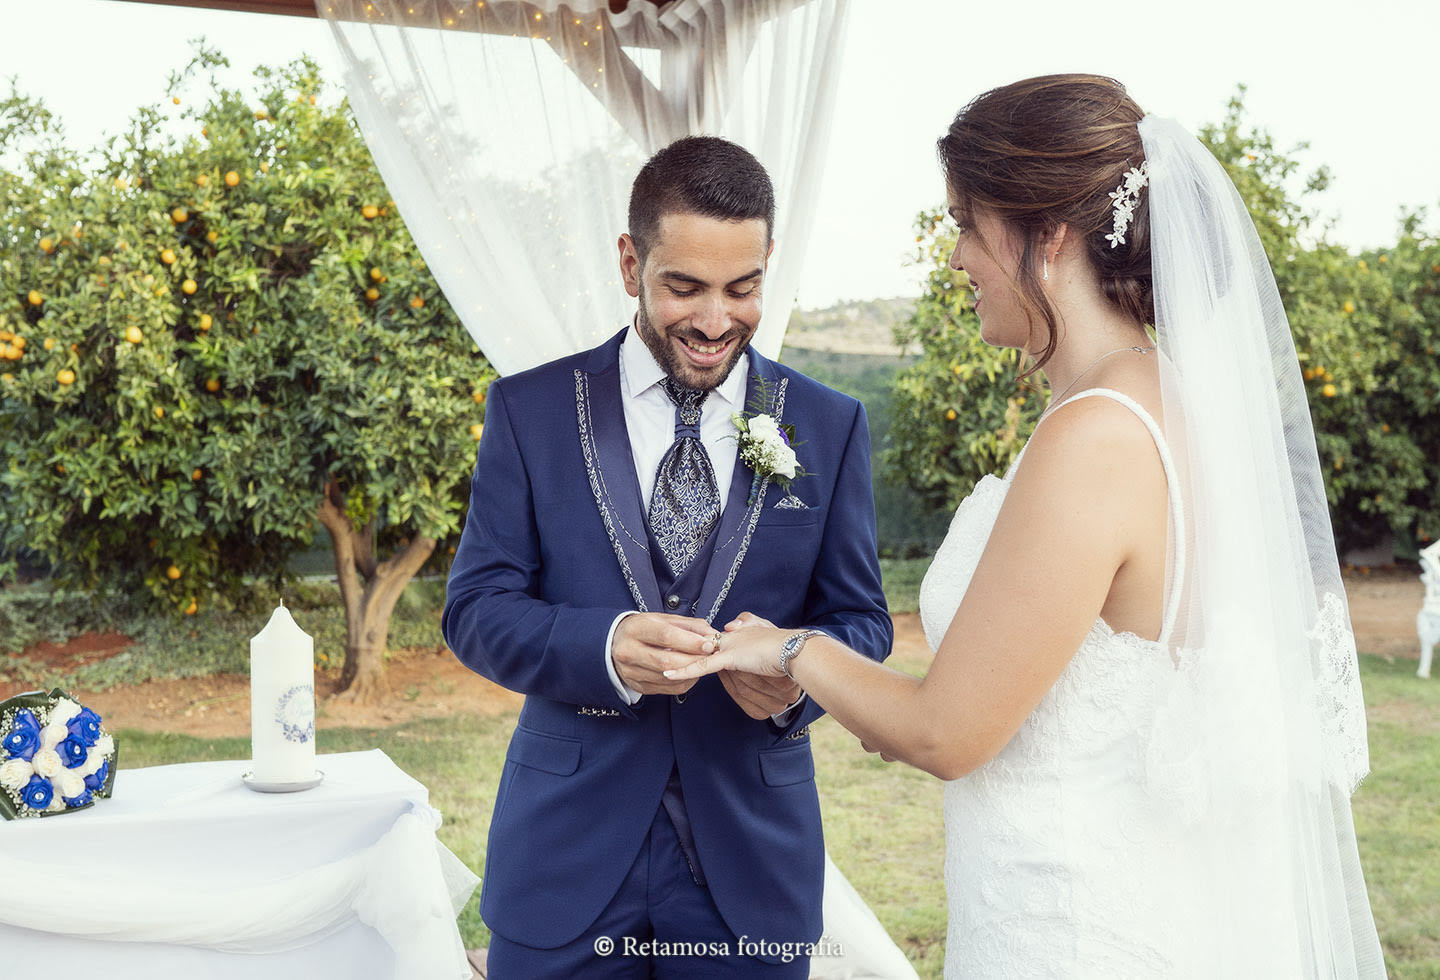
column 1061, row 397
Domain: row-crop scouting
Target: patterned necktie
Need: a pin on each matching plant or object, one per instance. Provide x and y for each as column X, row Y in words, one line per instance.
column 685, row 503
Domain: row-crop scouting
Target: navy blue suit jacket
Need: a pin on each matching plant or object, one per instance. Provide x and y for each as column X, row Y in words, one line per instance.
column 554, row 548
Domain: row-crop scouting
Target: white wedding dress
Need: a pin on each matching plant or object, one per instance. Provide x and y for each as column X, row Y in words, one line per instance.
column 1060, row 860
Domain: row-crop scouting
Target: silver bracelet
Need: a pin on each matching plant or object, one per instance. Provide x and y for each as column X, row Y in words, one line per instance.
column 791, row 648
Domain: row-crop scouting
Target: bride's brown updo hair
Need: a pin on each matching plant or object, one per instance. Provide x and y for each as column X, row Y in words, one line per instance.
column 1048, row 151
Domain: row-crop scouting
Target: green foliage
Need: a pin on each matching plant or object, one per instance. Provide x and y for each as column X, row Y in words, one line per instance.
column 204, row 359
column 958, row 411
column 1366, row 330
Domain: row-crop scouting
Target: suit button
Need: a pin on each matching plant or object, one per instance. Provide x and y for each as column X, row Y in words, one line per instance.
column 672, row 602
column 680, row 698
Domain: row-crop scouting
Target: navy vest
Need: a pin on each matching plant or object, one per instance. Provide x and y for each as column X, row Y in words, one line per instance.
column 679, row 595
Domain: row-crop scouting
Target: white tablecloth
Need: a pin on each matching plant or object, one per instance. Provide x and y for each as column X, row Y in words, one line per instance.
column 185, row 872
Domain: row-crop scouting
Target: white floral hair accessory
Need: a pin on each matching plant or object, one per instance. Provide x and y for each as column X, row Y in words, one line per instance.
column 1126, row 197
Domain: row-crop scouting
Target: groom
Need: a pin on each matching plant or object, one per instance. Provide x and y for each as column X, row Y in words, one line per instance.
column 643, row 826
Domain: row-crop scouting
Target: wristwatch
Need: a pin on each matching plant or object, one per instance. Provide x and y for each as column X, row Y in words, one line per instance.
column 791, row 648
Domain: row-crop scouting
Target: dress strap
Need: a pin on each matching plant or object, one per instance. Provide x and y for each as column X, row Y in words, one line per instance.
column 1177, row 514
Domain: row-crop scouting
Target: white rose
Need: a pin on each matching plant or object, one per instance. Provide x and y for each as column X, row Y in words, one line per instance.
column 56, row 803
column 104, row 747
column 47, row 763
column 785, row 462
column 763, row 427
column 15, row 773
column 92, row 764
column 52, row 735
column 64, row 712
column 70, row 783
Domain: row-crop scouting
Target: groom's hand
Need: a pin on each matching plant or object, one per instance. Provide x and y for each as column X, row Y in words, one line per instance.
column 647, row 644
column 759, row 697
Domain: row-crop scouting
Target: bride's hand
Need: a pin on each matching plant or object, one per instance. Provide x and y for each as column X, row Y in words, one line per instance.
column 751, row 648
column 747, row 620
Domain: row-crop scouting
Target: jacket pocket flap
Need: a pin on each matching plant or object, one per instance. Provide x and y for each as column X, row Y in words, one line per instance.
column 784, row 766
column 548, row 753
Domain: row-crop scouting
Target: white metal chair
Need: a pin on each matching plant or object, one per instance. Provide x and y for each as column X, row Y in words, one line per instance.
column 1427, row 622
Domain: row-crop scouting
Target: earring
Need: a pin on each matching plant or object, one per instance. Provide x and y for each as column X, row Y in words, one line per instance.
column 1044, row 268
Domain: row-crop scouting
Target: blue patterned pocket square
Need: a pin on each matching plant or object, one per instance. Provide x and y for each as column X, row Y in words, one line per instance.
column 791, row 502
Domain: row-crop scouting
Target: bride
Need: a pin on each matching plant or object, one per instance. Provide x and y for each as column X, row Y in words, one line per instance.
column 1144, row 691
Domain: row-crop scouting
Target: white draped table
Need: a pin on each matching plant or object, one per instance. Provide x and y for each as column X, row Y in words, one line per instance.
column 187, row 873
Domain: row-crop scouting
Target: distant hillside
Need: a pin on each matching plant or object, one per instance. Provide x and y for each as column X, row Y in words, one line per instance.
column 860, row 327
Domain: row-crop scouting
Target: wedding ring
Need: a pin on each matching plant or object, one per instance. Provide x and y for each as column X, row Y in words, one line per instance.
column 716, row 640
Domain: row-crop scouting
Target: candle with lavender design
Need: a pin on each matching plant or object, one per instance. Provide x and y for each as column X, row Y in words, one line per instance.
column 282, row 701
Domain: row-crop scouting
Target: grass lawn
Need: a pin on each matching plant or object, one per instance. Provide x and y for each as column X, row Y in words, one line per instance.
column 883, row 822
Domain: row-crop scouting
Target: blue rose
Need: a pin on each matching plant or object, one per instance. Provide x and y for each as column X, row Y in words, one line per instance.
column 72, row 752
column 85, row 726
column 24, row 737
column 74, row 801
column 97, row 778
column 37, row 793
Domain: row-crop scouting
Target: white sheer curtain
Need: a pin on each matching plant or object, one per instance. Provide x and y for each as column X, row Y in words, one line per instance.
column 508, row 134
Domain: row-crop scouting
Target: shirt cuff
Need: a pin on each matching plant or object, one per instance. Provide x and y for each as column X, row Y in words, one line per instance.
column 784, row 717
column 627, row 693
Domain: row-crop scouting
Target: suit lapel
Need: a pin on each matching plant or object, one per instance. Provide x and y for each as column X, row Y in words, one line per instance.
column 610, row 465
column 742, row 511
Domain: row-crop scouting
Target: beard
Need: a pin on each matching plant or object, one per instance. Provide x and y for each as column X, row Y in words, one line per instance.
column 674, row 363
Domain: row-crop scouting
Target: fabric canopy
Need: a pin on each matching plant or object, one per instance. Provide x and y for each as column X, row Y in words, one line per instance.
column 508, row 134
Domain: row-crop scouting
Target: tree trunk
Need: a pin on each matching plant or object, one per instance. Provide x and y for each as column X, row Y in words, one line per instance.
column 369, row 590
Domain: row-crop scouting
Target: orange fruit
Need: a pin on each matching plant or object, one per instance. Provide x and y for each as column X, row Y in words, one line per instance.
column 202, row 181
column 950, row 414
column 204, row 130
column 104, row 260
column 7, row 377
column 261, row 114
column 134, row 335
column 66, row 377
column 232, row 179
column 49, row 343
column 19, row 342
column 372, row 294
column 211, row 384
column 175, row 99
column 1383, row 259
column 46, row 245
column 370, row 211
column 35, row 298
column 168, row 256
column 476, row 430
column 417, row 302
column 179, row 216
column 188, row 287
column 159, row 412
column 172, row 573
column 264, row 167
column 1384, row 426
column 205, row 321
column 196, row 474
column 1349, row 306
column 192, row 609
column 312, row 100
column 376, row 274
column 211, row 236
column 1328, row 391
column 479, row 396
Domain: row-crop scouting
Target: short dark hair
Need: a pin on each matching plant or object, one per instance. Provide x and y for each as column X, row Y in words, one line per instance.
column 702, row 175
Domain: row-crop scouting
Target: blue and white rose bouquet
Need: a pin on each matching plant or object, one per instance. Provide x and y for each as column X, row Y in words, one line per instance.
column 55, row 756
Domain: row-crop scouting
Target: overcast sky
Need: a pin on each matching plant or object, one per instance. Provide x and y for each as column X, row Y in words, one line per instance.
column 1354, row 80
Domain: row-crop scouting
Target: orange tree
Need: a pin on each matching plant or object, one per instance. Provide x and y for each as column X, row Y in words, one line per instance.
column 1366, row 330
column 217, row 332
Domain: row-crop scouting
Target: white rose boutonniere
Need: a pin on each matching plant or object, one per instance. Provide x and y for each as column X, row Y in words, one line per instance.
column 767, row 446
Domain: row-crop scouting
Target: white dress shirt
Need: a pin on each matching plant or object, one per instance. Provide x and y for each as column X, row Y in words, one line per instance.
column 650, row 423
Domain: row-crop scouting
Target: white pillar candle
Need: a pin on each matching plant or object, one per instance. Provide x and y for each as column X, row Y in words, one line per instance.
column 282, row 701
